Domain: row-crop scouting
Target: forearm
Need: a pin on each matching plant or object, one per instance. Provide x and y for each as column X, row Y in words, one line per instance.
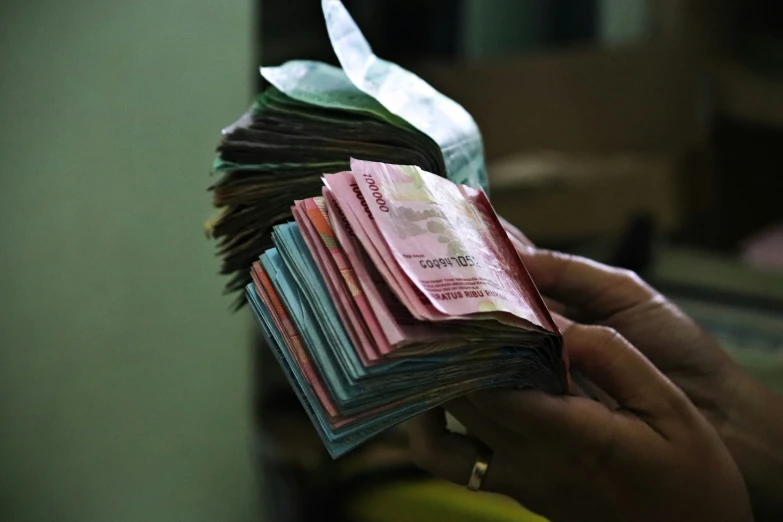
column 753, row 433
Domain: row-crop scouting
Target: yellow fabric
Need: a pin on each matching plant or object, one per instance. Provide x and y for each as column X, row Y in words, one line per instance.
column 435, row 501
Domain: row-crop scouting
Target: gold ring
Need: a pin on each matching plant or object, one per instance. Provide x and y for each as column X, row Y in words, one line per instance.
column 479, row 470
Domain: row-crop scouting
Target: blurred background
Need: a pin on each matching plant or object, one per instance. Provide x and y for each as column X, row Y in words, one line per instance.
column 645, row 133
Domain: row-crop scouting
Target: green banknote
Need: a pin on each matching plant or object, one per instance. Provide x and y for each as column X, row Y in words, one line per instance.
column 315, row 117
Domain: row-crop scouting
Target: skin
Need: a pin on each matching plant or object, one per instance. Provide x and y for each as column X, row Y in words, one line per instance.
column 747, row 416
column 677, row 427
column 571, row 458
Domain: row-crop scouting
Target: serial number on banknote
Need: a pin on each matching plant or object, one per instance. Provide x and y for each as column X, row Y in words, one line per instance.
column 449, row 262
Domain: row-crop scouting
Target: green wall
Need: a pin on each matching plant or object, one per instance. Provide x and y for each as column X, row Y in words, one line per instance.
column 123, row 378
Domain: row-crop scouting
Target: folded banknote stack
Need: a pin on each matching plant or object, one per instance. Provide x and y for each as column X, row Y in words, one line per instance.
column 311, row 120
column 394, row 291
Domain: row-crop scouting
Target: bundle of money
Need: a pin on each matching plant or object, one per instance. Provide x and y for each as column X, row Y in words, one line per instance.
column 311, row 120
column 394, row 291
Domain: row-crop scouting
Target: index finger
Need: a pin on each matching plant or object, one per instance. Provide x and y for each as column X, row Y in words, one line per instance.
column 615, row 366
column 596, row 290
column 520, row 240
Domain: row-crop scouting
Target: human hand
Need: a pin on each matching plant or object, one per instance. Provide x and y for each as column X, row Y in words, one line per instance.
column 593, row 293
column 571, row 458
column 518, row 239
column 748, row 417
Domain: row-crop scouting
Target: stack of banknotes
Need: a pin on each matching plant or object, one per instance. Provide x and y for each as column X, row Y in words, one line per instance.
column 384, row 289
column 311, row 120
column 394, row 291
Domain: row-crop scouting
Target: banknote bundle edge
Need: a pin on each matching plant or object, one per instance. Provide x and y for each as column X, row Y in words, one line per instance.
column 320, row 357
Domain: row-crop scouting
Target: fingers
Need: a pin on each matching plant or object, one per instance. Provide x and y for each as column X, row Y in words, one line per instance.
column 595, row 289
column 605, row 358
column 526, row 483
column 452, row 457
column 554, row 306
column 542, row 417
column 518, row 245
column 434, row 449
column 479, row 425
column 584, row 387
column 444, row 454
column 520, row 240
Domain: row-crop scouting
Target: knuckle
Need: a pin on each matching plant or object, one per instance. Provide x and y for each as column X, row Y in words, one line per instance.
column 630, row 278
column 626, row 274
column 605, row 343
column 607, row 335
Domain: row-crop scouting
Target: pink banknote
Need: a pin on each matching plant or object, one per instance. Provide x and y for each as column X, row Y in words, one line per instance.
column 448, row 241
column 334, row 277
column 316, row 209
column 398, row 325
column 295, row 346
column 352, row 202
column 294, row 342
